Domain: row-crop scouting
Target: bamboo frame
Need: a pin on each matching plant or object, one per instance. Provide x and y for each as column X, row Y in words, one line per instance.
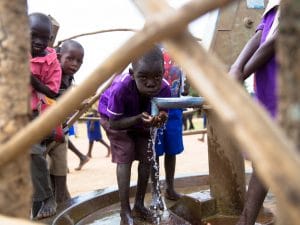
column 193, row 132
column 95, row 32
column 163, row 27
column 90, row 102
column 101, row 32
column 249, row 125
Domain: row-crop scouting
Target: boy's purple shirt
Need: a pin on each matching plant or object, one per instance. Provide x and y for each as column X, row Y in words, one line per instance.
column 122, row 98
column 266, row 76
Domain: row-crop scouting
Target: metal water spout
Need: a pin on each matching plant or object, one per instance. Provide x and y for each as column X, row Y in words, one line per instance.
column 175, row 103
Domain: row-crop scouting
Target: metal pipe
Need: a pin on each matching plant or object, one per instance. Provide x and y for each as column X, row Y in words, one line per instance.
column 175, row 103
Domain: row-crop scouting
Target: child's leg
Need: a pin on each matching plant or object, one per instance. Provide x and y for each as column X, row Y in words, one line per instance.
column 60, row 188
column 106, row 145
column 73, row 148
column 191, row 122
column 123, row 178
column 41, row 184
column 184, row 122
column 255, row 197
column 43, row 200
column 83, row 158
column 58, row 171
column 91, row 144
column 170, row 164
column 139, row 209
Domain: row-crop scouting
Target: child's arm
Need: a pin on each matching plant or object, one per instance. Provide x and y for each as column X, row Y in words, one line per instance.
column 40, row 87
column 260, row 57
column 155, row 121
column 145, row 118
column 238, row 66
column 125, row 122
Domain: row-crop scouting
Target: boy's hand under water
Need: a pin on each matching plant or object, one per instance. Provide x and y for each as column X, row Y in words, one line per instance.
column 155, row 121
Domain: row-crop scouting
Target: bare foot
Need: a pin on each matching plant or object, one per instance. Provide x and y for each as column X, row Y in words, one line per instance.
column 172, row 195
column 143, row 213
column 201, row 139
column 126, row 218
column 89, row 155
column 82, row 162
column 108, row 153
column 47, row 209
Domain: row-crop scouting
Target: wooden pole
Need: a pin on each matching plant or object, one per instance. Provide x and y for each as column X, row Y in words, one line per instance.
column 90, row 102
column 101, row 32
column 247, row 123
column 157, row 29
column 288, row 55
column 193, row 132
column 95, row 32
column 15, row 183
column 5, row 220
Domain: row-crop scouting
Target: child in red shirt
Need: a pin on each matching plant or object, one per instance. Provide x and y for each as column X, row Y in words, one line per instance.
column 45, row 80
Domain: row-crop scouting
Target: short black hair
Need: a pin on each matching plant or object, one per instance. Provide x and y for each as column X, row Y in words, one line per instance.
column 70, row 43
column 153, row 55
column 42, row 18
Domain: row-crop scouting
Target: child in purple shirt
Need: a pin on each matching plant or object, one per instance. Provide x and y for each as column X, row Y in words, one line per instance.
column 124, row 110
column 259, row 56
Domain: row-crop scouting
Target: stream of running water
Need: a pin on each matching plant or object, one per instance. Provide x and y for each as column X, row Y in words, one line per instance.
column 157, row 204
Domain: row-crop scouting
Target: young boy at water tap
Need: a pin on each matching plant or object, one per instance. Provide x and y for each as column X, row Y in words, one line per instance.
column 45, row 79
column 169, row 141
column 124, row 110
column 258, row 56
column 70, row 56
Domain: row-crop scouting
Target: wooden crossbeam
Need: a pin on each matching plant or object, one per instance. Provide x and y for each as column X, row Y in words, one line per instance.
column 247, row 123
column 154, row 31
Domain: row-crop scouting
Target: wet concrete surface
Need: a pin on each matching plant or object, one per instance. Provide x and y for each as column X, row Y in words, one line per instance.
column 92, row 177
column 111, row 215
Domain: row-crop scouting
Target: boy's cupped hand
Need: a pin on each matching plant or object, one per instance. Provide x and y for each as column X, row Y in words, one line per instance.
column 155, row 121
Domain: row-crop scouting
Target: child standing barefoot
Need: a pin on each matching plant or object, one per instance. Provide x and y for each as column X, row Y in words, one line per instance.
column 124, row 110
column 45, row 80
column 71, row 56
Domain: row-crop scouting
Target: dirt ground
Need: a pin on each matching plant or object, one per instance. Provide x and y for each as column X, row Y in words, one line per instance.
column 100, row 173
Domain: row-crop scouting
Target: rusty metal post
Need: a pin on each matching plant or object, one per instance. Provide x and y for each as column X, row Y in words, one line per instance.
column 226, row 168
column 236, row 24
column 55, row 28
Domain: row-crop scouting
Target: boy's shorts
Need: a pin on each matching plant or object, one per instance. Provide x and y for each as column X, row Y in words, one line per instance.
column 128, row 145
column 169, row 140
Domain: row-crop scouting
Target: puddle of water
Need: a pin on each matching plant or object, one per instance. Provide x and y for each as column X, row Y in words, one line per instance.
column 112, row 217
column 201, row 195
column 224, row 220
